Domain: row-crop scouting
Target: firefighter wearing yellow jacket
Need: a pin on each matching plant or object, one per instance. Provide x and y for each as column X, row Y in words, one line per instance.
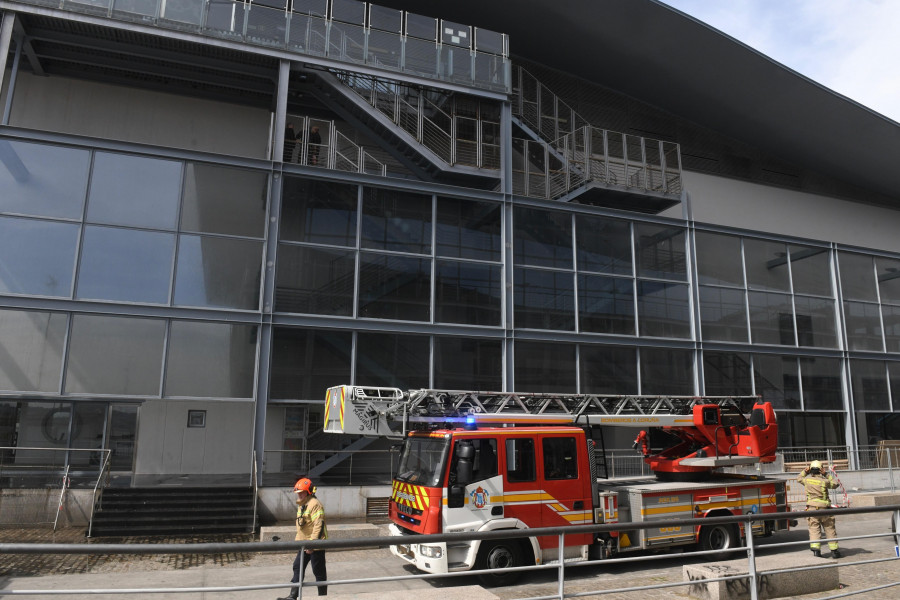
column 817, row 485
column 310, row 526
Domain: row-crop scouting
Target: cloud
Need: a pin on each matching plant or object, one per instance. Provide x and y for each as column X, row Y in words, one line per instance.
column 849, row 46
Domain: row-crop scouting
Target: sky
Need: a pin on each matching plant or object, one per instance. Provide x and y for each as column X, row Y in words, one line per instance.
column 849, row 46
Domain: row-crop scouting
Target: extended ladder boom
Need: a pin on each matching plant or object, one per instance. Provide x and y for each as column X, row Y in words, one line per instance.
column 391, row 412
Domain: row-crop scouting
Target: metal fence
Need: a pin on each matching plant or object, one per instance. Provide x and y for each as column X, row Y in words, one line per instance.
column 752, row 579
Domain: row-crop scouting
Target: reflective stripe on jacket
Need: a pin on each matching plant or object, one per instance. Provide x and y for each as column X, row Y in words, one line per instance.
column 817, row 487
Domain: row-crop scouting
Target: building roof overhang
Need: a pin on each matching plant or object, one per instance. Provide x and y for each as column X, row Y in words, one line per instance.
column 660, row 56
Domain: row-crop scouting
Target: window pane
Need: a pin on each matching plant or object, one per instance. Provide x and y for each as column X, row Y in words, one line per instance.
column 863, row 326
column 888, row 279
column 468, row 229
column 667, row 371
column 133, row 190
column 660, row 251
column 224, row 200
column 663, row 309
column 723, row 314
column 520, row 462
column 390, row 360
column 468, row 293
column 43, row 180
column 811, row 271
column 319, row 212
column 767, row 265
column 399, row 221
column 606, row 304
column 727, row 374
column 542, row 238
column 870, row 385
column 821, row 383
column 857, row 276
column 307, row 362
column 31, row 349
column 608, row 370
column 468, row 364
column 771, row 319
column 815, row 322
column 126, row 265
column 777, row 380
column 544, row 299
column 719, row 259
column 560, row 458
column 37, row 257
column 544, row 367
column 312, row 280
column 218, row 272
column 894, row 377
column 604, row 245
column 891, row 319
column 211, row 360
column 115, row 355
column 394, row 287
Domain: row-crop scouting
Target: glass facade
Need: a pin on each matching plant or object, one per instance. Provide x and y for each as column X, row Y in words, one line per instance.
column 137, row 281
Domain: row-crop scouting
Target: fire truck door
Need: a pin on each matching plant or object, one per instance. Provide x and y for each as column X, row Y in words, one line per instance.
column 566, row 491
column 483, row 494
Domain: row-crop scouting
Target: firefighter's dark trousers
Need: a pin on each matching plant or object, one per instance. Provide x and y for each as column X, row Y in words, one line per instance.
column 317, row 558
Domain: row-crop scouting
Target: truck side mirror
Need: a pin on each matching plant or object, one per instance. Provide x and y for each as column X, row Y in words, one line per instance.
column 465, row 453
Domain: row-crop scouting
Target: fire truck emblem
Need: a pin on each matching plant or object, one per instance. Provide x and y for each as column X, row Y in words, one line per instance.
column 479, row 497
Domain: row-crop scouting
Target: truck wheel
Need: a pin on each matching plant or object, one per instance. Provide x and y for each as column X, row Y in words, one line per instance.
column 719, row 537
column 499, row 555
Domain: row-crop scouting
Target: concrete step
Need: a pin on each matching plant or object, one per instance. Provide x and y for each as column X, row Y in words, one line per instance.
column 768, row 584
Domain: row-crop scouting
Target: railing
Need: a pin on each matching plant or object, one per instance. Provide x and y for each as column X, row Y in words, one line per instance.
column 619, row 574
column 97, row 495
column 334, row 150
column 254, row 482
column 455, row 135
column 361, row 467
column 37, row 470
column 376, row 39
column 571, row 152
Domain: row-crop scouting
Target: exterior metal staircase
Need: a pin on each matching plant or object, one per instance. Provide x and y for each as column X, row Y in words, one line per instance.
column 434, row 134
column 568, row 159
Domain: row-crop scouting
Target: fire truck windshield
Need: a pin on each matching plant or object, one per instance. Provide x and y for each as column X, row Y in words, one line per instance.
column 423, row 460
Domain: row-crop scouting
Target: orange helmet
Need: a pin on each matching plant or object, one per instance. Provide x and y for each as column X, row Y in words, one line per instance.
column 304, row 485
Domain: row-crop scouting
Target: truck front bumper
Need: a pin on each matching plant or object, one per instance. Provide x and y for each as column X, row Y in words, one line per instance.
column 429, row 558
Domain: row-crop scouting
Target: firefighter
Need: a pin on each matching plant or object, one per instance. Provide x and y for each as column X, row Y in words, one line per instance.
column 310, row 526
column 817, row 485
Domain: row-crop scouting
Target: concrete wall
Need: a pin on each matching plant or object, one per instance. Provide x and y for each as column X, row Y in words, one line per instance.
column 115, row 112
column 167, row 445
column 341, row 502
column 734, row 203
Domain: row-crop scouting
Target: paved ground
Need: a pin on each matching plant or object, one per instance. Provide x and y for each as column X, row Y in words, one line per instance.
column 59, row 573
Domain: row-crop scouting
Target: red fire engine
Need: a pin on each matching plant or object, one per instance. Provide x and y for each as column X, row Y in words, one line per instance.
column 487, row 461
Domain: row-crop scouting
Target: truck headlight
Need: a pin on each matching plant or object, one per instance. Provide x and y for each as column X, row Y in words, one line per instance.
column 431, row 551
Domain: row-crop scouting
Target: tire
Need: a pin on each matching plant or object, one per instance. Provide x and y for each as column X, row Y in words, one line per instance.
column 719, row 537
column 501, row 554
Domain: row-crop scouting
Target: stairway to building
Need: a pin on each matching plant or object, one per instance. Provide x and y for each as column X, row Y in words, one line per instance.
column 174, row 511
column 417, row 124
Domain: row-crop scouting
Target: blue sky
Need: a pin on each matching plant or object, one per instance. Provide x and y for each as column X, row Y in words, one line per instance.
column 849, row 46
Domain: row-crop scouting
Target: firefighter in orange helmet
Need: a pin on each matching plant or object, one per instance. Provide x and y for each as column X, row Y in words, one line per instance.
column 817, row 485
column 310, row 526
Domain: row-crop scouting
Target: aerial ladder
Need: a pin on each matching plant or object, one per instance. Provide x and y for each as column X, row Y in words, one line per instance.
column 710, row 431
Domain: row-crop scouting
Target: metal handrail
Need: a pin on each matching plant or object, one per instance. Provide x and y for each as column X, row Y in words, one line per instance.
column 95, row 498
column 278, row 30
column 561, row 566
column 254, row 475
column 62, row 496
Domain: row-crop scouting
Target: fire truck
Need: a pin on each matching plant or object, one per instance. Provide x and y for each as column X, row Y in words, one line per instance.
column 488, row 461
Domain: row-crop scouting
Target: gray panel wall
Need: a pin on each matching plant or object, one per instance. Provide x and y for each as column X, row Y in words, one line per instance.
column 735, row 203
column 138, row 115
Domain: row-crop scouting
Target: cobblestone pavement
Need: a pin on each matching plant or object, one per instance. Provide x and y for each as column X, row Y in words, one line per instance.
column 21, row 565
